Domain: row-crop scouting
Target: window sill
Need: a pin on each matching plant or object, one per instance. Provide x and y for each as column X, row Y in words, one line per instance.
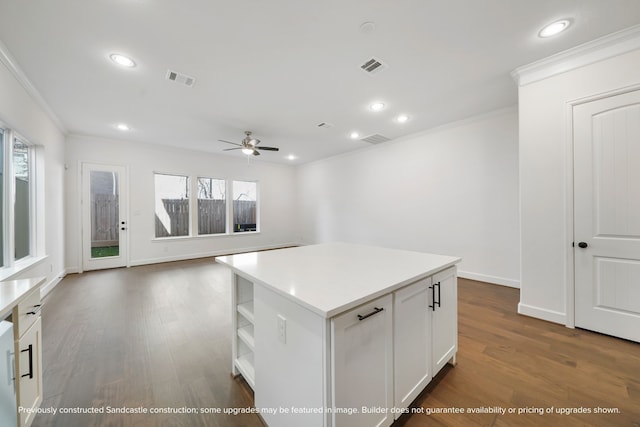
column 9, row 273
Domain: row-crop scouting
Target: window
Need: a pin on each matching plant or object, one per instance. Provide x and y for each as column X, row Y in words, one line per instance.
column 172, row 205
column 17, row 201
column 245, row 198
column 212, row 206
column 2, row 245
column 22, row 200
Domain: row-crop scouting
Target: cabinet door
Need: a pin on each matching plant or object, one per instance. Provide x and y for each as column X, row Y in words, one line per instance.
column 444, row 321
column 412, row 342
column 362, row 365
column 29, row 371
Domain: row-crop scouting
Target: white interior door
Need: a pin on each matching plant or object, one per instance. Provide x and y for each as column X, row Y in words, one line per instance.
column 607, row 215
column 104, row 216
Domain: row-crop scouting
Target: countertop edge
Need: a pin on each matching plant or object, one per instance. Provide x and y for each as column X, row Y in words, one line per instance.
column 21, row 289
column 344, row 307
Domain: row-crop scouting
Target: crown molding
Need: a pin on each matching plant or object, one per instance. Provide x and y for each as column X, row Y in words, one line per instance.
column 12, row 65
column 596, row 50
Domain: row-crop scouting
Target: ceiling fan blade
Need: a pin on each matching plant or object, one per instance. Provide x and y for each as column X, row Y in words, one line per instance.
column 229, row 149
column 268, row 148
column 229, row 142
column 256, row 153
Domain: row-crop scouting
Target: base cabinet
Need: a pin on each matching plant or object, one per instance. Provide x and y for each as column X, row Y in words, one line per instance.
column 29, row 372
column 444, row 319
column 412, row 343
column 362, row 368
column 27, row 329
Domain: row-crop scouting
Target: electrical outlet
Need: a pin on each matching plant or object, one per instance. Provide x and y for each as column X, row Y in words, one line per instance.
column 282, row 329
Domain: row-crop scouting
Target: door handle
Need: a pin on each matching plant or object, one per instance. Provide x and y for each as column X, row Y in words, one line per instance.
column 376, row 310
column 30, row 350
column 583, row 245
column 433, row 296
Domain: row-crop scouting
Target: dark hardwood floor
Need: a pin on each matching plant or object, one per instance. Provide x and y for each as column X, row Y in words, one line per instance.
column 159, row 337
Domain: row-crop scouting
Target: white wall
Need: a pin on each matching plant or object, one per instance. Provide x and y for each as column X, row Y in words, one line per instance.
column 19, row 111
column 545, row 180
column 452, row 190
column 278, row 222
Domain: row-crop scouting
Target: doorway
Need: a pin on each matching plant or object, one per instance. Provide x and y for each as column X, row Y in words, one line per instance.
column 606, row 134
column 104, row 216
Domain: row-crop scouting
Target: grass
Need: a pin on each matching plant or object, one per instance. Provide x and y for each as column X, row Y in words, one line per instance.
column 105, row 251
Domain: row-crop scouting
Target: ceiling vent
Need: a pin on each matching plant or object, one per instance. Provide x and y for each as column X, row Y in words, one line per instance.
column 325, row 125
column 181, row 78
column 375, row 139
column 373, row 66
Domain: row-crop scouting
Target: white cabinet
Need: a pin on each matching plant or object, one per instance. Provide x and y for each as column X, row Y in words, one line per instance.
column 362, row 368
column 425, row 329
column 444, row 318
column 243, row 343
column 29, row 372
column 412, row 342
column 28, row 350
column 338, row 343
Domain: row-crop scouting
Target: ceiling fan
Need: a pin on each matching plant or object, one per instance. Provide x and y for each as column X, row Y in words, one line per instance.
column 249, row 145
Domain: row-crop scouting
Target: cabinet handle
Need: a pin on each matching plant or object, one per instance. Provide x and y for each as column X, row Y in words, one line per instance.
column 30, row 350
column 433, row 296
column 376, row 310
column 36, row 309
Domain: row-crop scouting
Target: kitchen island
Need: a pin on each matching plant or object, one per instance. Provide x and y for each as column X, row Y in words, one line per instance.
column 339, row 334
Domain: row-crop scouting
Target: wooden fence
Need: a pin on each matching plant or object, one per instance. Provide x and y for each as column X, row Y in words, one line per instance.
column 211, row 216
column 104, row 220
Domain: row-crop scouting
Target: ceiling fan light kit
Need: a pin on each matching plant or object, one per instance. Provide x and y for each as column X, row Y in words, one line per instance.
column 248, row 145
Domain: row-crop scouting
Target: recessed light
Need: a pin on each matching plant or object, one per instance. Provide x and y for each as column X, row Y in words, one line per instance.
column 377, row 106
column 123, row 61
column 354, row 135
column 554, row 28
column 123, row 127
column 402, row 118
column 291, row 157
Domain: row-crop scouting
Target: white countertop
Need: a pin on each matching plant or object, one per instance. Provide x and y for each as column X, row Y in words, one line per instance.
column 332, row 278
column 12, row 292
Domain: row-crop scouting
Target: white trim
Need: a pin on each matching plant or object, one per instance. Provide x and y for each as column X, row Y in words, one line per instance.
column 45, row 289
column 512, row 283
column 24, row 264
column 542, row 313
column 72, row 270
column 12, row 65
column 208, row 254
column 569, row 230
column 596, row 50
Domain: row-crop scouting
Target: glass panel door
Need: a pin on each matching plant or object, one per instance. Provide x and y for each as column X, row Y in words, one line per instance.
column 104, row 223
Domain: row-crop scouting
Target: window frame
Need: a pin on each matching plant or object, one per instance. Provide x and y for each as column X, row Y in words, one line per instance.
column 193, row 206
column 9, row 264
column 232, row 217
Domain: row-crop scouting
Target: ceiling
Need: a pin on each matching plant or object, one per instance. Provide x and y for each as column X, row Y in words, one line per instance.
column 281, row 67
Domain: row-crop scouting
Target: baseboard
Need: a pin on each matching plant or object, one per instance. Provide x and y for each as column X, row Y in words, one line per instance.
column 489, row 279
column 542, row 313
column 48, row 287
column 208, row 254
